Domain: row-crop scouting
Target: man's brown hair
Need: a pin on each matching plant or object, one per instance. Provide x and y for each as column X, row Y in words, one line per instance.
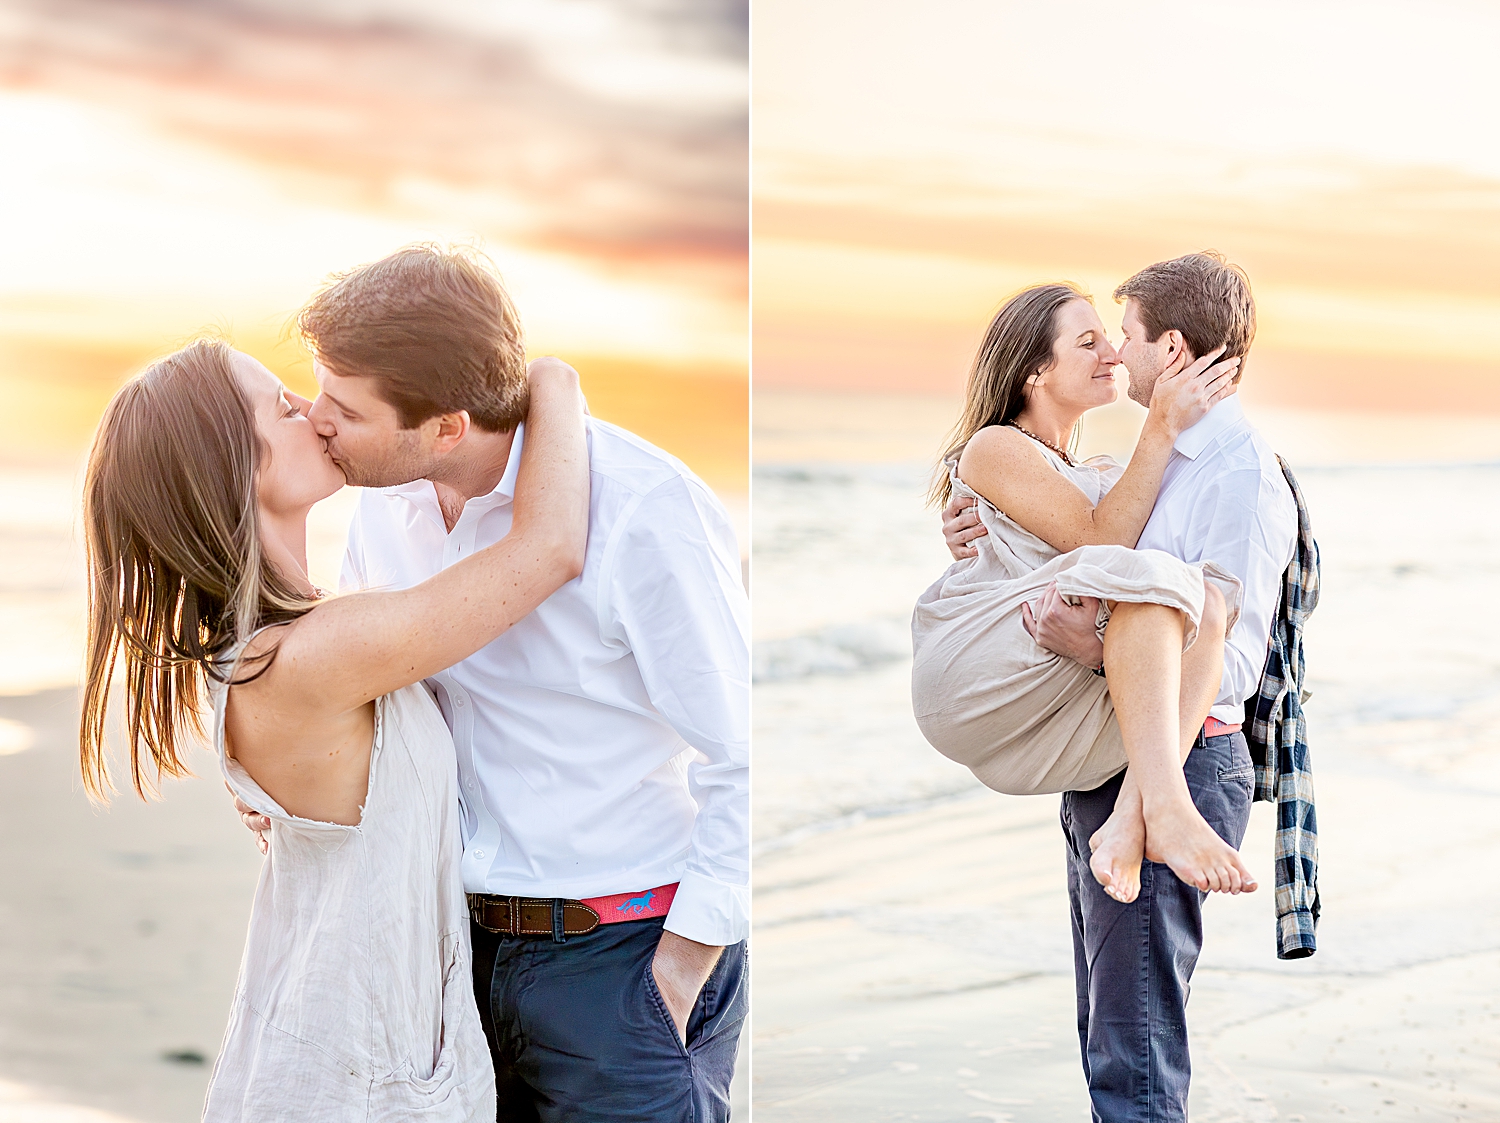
column 1201, row 295
column 434, row 327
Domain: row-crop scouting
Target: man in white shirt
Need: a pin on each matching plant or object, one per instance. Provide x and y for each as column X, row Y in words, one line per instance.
column 602, row 742
column 1224, row 499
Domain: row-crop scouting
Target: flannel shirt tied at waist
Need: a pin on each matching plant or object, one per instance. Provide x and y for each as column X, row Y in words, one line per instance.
column 1277, row 735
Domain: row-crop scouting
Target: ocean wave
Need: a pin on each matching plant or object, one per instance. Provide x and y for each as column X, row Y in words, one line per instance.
column 840, row 649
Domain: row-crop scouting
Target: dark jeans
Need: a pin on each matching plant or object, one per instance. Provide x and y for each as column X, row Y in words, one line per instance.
column 1133, row 963
column 579, row 1032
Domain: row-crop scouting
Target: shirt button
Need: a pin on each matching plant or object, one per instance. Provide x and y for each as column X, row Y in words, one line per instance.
column 470, row 785
column 460, row 701
column 479, row 853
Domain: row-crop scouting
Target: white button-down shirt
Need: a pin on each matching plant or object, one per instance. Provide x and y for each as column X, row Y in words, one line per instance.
column 603, row 742
column 1224, row 499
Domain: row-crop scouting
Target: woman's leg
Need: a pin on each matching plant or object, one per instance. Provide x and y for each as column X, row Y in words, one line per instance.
column 1120, row 844
column 1165, row 825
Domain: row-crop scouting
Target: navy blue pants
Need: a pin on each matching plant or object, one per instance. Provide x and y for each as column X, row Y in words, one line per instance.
column 579, row 1032
column 1133, row 963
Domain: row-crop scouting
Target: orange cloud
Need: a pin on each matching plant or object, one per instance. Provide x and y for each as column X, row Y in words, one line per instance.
column 406, row 113
column 1369, row 278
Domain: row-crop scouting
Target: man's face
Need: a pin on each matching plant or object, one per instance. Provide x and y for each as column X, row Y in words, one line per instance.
column 364, row 433
column 1145, row 359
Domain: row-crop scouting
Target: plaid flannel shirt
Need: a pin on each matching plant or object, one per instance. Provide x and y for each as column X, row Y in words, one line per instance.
column 1277, row 734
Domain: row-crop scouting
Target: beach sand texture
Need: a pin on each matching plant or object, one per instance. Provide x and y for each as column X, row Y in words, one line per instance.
column 912, row 936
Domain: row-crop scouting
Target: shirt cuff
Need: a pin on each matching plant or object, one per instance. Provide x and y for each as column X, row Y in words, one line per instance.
column 709, row 911
column 1296, row 934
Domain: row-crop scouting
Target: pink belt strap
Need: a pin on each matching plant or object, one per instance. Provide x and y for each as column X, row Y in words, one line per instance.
column 1213, row 727
column 633, row 906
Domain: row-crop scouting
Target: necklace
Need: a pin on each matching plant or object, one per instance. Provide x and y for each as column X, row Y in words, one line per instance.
column 1068, row 460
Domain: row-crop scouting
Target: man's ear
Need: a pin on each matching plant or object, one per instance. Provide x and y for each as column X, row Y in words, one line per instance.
column 449, row 430
column 1176, row 356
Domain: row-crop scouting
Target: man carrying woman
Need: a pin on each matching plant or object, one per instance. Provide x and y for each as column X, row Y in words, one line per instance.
column 1084, row 633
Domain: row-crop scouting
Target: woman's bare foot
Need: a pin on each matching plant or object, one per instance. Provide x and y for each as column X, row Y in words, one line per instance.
column 1118, row 847
column 1178, row 836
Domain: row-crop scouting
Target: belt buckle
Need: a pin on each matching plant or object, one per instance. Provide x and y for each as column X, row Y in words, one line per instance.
column 511, row 910
column 512, row 905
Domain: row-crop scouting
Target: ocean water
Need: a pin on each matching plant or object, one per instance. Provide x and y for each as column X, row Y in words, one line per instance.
column 43, row 598
column 1403, row 650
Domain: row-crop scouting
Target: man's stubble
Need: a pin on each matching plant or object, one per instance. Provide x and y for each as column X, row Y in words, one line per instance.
column 404, row 463
column 1141, row 385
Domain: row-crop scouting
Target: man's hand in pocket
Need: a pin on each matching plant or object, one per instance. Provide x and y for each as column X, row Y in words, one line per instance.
column 681, row 967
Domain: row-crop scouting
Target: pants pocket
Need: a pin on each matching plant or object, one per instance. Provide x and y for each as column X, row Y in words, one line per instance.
column 721, row 1003
column 664, row 1016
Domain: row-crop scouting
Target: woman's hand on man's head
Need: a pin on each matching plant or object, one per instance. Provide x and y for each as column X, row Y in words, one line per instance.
column 1185, row 392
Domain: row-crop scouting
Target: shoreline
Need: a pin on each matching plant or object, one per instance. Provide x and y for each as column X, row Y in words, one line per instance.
column 919, row 966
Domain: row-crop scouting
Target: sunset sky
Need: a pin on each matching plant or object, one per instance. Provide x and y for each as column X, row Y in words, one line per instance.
column 175, row 166
column 914, row 164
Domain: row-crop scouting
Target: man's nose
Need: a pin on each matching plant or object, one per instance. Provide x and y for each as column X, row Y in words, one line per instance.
column 318, row 415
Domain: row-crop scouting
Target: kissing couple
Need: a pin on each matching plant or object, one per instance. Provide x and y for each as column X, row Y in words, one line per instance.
column 502, row 780
column 1114, row 632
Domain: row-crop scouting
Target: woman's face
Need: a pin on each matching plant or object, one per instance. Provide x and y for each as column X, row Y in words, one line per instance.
column 1082, row 372
column 296, row 470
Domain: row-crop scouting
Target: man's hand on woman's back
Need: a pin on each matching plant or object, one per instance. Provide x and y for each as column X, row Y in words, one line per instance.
column 961, row 526
column 256, row 823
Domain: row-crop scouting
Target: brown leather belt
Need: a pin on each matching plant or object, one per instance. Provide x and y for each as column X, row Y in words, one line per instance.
column 532, row 916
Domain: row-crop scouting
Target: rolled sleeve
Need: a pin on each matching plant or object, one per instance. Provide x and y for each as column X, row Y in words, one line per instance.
column 676, row 599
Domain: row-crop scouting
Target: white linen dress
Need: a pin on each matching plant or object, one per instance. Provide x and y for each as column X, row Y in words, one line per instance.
column 1023, row 720
column 354, row 1002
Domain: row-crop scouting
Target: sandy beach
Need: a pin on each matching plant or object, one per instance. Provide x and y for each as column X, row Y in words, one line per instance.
column 121, row 933
column 912, row 935
column 919, row 966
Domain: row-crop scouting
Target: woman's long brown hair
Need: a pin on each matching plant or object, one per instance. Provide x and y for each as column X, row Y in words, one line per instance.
column 1018, row 343
column 175, row 567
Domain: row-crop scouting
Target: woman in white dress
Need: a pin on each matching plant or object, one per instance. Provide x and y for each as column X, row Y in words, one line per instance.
column 354, row 1000
column 985, row 694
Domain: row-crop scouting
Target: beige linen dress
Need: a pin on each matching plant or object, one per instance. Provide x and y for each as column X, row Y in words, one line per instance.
column 354, row 1000
column 1023, row 720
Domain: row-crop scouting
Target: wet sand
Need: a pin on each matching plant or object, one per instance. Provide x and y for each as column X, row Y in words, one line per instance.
column 919, row 965
column 120, row 932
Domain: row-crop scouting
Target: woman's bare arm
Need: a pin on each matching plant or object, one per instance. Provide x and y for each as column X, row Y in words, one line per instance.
column 357, row 647
column 1009, row 469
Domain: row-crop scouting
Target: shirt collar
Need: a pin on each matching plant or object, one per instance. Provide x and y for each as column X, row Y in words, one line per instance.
column 507, row 484
column 1224, row 417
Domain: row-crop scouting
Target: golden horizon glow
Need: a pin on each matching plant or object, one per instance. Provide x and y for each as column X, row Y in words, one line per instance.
column 596, row 154
column 950, row 154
